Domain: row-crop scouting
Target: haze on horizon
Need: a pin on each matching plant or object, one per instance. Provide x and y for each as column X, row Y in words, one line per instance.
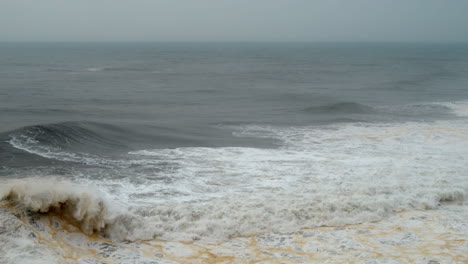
column 239, row 20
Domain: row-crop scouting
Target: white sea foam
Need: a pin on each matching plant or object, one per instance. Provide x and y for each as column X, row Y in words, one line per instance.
column 330, row 175
column 30, row 145
column 24, row 251
column 82, row 204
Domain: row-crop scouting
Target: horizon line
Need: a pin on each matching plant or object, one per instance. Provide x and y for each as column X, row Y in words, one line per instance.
column 238, row 41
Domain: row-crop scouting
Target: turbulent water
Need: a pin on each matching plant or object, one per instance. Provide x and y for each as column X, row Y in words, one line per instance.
column 210, row 141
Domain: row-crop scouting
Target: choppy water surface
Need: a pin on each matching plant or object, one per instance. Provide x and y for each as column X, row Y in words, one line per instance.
column 188, row 142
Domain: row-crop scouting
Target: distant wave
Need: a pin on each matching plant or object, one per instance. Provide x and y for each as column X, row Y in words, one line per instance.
column 427, row 109
column 36, row 110
column 120, row 68
column 459, row 108
column 434, row 110
column 95, row 69
column 340, row 108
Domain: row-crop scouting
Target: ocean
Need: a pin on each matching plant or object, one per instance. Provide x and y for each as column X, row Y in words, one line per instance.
column 206, row 143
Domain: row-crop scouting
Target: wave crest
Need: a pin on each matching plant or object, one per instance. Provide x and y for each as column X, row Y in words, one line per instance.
column 66, row 135
column 81, row 142
column 341, row 108
column 220, row 219
column 82, row 205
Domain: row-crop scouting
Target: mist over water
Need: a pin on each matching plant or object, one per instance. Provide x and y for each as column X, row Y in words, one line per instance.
column 209, row 141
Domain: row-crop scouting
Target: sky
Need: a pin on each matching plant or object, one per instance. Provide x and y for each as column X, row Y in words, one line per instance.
column 235, row 20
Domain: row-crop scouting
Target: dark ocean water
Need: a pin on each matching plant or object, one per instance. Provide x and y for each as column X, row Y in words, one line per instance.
column 244, row 130
column 179, row 94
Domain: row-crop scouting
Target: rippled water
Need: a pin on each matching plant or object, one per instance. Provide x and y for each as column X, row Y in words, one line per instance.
column 186, row 142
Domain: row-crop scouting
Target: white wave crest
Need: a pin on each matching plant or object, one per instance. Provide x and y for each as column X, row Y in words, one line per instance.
column 458, row 108
column 230, row 216
column 82, row 204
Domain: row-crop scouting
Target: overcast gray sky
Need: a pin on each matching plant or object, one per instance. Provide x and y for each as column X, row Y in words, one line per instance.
column 234, row 20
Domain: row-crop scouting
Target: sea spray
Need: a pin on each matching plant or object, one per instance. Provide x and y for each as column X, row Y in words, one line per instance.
column 82, row 204
column 221, row 219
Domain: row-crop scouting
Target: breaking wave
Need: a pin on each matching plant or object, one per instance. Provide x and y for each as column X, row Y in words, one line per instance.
column 224, row 218
column 319, row 175
column 81, row 204
column 66, row 135
column 67, row 141
column 123, row 68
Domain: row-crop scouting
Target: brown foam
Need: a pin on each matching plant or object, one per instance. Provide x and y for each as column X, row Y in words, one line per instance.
column 407, row 237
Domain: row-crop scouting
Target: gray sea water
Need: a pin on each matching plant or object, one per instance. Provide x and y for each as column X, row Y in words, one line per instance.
column 190, row 141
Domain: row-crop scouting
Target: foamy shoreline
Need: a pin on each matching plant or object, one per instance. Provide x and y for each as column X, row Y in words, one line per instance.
column 431, row 236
